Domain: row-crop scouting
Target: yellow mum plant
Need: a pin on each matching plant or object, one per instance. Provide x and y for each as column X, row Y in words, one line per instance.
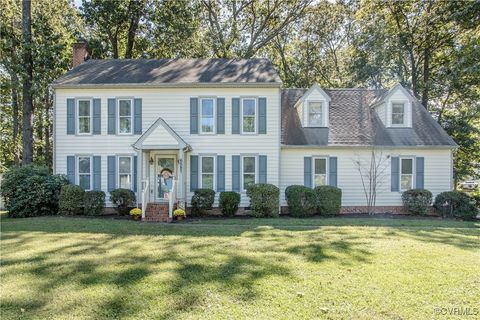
column 136, row 212
column 179, row 212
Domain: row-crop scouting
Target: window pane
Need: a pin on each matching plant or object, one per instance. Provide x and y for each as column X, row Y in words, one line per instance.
column 397, row 108
column 207, row 181
column 125, row 108
column 320, row 166
column 407, row 166
column 84, row 125
column 397, row 118
column 125, row 125
column 248, row 107
column 248, row 180
column 248, row 124
column 315, row 119
column 406, row 182
column 84, row 108
column 207, row 124
column 125, row 182
column 207, row 107
column 320, row 180
column 315, row 107
column 207, row 164
column 249, row 164
column 124, row 164
column 84, row 165
column 84, row 181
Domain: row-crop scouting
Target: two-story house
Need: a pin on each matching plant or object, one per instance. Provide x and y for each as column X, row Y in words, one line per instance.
column 165, row 128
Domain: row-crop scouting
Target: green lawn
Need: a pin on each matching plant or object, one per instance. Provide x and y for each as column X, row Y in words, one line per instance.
column 74, row 268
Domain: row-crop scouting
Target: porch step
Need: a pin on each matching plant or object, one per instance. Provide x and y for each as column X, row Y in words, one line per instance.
column 157, row 212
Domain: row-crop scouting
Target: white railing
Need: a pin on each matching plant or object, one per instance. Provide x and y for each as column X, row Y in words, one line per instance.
column 145, row 191
column 172, row 198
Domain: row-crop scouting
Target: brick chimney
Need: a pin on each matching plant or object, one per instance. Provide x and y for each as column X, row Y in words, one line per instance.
column 80, row 52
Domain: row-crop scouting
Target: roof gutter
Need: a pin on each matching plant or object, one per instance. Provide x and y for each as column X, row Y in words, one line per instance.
column 285, row 146
column 169, row 85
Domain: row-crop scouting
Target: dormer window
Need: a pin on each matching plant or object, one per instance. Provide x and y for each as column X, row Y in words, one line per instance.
column 398, row 114
column 315, row 114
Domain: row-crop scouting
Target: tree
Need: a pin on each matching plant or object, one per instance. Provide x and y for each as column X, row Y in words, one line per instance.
column 27, row 83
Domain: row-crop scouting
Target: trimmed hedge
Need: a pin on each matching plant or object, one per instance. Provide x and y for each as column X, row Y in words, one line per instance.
column 416, row 201
column 301, row 201
column 124, row 199
column 202, row 200
column 229, row 202
column 93, row 202
column 328, row 200
column 31, row 191
column 71, row 199
column 264, row 200
column 455, row 204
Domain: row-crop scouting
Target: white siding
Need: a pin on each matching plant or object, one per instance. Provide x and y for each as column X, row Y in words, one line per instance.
column 160, row 136
column 382, row 113
column 399, row 96
column 437, row 174
column 173, row 105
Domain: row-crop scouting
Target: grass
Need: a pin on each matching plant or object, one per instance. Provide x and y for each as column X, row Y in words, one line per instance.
column 337, row 268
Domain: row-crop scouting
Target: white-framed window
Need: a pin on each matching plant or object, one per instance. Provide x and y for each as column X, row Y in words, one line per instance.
column 84, row 116
column 249, row 171
column 125, row 172
column 207, row 172
column 398, row 113
column 315, row 113
column 406, row 173
column 84, row 172
column 125, row 116
column 320, row 170
column 249, row 115
column 207, row 115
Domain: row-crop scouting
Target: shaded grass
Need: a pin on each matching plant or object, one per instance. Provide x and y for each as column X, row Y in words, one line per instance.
column 65, row 268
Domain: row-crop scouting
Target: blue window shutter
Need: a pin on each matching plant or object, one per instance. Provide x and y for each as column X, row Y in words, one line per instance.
column 236, row 173
column 395, row 174
column 111, row 172
column 262, row 115
column 220, row 115
column 193, row 115
column 71, row 169
column 135, row 176
column 262, row 169
column 193, row 173
column 112, row 116
column 97, row 116
column 307, row 172
column 235, row 116
column 419, row 180
column 97, row 173
column 137, row 113
column 70, row 116
column 220, row 173
column 332, row 174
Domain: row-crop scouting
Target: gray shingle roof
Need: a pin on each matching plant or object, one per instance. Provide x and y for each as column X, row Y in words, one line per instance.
column 354, row 122
column 170, row 71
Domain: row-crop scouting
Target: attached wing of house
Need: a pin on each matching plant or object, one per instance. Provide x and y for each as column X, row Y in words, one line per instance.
column 165, row 128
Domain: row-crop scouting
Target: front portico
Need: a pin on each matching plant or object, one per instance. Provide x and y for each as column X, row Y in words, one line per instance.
column 161, row 166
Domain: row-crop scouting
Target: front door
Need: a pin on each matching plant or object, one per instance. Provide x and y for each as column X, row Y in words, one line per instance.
column 165, row 172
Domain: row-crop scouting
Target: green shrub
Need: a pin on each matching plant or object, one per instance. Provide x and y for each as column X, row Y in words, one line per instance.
column 71, row 199
column 301, row 201
column 455, row 204
column 328, row 200
column 93, row 202
column 229, row 201
column 124, row 199
column 264, row 200
column 202, row 200
column 31, row 191
column 416, row 201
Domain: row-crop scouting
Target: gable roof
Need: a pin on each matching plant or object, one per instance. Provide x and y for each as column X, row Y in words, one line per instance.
column 314, row 87
column 170, row 72
column 160, row 136
column 353, row 122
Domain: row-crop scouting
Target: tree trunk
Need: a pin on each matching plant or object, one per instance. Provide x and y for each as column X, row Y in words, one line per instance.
column 47, row 131
column 135, row 12
column 27, row 84
column 16, row 156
